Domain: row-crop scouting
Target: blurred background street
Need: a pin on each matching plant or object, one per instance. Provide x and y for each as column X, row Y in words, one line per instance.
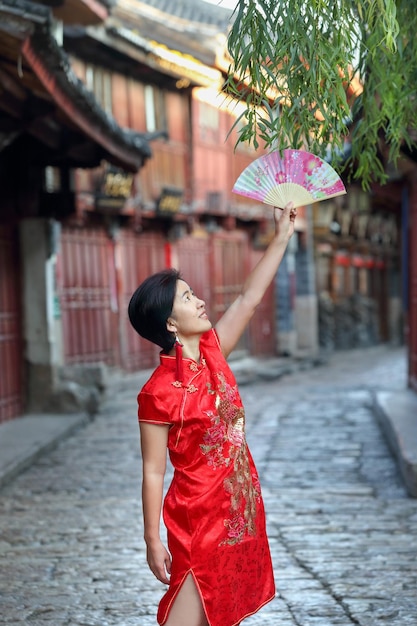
column 342, row 528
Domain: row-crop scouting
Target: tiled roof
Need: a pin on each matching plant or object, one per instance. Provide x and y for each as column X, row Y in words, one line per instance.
column 194, row 11
column 192, row 27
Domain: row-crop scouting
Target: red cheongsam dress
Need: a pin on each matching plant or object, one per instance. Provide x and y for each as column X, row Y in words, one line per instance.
column 213, row 509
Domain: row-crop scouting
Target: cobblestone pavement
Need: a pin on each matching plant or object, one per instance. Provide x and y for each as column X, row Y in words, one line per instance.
column 343, row 532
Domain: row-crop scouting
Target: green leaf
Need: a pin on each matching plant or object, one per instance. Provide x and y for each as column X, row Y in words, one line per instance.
column 304, row 50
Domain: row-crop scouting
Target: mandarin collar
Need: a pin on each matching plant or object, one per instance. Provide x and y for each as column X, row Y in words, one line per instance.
column 189, row 364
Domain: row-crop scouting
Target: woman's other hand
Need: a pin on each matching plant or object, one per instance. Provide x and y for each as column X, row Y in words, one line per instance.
column 159, row 561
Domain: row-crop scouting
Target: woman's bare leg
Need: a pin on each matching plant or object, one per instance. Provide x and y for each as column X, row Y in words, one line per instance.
column 187, row 609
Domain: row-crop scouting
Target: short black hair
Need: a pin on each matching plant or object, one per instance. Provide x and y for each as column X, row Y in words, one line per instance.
column 151, row 305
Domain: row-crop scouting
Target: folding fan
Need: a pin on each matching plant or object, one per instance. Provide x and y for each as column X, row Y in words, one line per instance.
column 298, row 176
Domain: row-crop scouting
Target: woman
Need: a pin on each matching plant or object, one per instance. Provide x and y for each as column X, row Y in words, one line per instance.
column 218, row 567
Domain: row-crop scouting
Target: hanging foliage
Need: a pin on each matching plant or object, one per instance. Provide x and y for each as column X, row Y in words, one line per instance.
column 315, row 73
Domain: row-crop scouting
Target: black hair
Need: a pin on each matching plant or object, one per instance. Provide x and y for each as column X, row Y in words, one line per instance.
column 151, row 305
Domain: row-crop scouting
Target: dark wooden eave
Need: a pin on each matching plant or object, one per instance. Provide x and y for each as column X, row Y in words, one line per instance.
column 85, row 12
column 41, row 97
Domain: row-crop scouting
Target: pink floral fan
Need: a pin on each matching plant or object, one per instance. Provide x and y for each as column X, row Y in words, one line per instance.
column 298, row 176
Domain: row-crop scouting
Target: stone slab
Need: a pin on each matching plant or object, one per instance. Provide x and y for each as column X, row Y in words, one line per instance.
column 397, row 414
column 26, row 438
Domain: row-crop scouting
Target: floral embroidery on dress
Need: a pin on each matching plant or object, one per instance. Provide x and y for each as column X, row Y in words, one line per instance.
column 224, row 444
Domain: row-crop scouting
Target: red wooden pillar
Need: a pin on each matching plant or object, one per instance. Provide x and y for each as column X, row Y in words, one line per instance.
column 412, row 269
column 11, row 361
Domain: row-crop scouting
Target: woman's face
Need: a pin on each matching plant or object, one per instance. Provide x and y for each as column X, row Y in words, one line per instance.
column 189, row 312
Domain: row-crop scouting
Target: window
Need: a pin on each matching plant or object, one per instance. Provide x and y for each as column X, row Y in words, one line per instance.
column 155, row 109
column 98, row 80
column 209, row 122
column 52, row 179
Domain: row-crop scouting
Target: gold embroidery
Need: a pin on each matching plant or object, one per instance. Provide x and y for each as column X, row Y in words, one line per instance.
column 209, row 389
column 177, row 383
column 194, row 366
column 192, row 388
column 224, row 444
column 244, row 493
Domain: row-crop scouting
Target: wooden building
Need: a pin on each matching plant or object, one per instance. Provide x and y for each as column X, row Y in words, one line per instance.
column 403, row 193
column 366, row 265
column 358, row 268
column 177, row 209
column 49, row 125
column 114, row 153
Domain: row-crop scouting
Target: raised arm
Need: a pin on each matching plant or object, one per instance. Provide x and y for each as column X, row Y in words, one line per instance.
column 234, row 321
column 154, row 450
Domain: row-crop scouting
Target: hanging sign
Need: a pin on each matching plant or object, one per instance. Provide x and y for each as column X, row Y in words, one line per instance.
column 169, row 201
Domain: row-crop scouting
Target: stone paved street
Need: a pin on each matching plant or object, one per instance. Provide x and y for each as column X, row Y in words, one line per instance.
column 343, row 531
